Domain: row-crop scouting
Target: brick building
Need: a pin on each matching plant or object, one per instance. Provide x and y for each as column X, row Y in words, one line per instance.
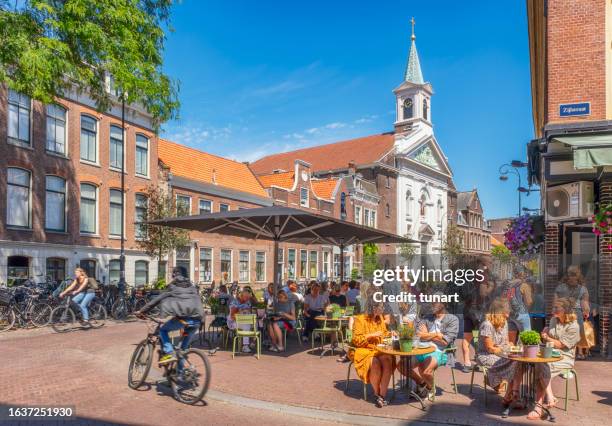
column 571, row 157
column 469, row 219
column 60, row 188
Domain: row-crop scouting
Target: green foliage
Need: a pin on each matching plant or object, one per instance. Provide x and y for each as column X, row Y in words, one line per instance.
column 49, row 47
column 530, row 337
column 370, row 259
column 501, row 253
column 354, row 274
column 160, row 284
column 407, row 250
column 453, row 242
column 158, row 240
column 406, row 332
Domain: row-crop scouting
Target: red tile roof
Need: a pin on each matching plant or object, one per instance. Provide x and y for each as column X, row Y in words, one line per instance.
column 332, row 156
column 283, row 180
column 201, row 166
column 324, row 188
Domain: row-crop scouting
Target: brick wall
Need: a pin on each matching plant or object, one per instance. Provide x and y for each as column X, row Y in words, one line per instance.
column 551, row 264
column 576, row 57
column 40, row 163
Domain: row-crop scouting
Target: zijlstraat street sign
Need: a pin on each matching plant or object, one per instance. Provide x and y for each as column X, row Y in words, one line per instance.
column 568, row 110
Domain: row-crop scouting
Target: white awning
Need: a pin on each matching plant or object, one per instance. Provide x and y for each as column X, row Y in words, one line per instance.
column 589, row 150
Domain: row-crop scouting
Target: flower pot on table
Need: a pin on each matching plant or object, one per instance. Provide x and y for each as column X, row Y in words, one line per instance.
column 531, row 351
column 406, row 345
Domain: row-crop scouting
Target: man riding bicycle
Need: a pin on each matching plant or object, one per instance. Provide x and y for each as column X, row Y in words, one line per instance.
column 83, row 290
column 182, row 302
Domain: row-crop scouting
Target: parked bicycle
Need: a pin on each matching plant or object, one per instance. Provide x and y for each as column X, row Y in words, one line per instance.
column 189, row 375
column 125, row 305
column 63, row 317
column 21, row 305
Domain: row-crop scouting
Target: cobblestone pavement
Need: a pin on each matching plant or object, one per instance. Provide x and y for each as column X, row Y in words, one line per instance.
column 88, row 369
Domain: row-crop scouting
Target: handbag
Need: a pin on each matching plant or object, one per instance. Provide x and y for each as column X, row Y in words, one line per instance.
column 587, row 337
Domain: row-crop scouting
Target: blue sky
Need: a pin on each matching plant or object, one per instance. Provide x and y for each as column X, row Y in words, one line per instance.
column 270, row 76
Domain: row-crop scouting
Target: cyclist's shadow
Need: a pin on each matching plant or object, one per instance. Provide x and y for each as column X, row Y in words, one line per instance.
column 162, row 387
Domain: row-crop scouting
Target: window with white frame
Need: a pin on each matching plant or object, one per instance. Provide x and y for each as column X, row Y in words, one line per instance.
column 183, row 259
column 373, row 219
column 89, row 139
column 206, row 264
column 55, row 203
column 56, row 129
column 140, row 212
column 281, row 262
column 141, row 273
column 304, row 197
column 226, row 265
column 19, row 107
column 303, row 263
column 366, row 217
column 115, row 217
column 224, row 207
column 116, row 147
column 260, row 266
column 142, row 155
column 183, row 205
column 312, row 264
column 205, row 206
column 114, row 271
column 325, row 264
column 18, row 203
column 243, row 266
column 89, row 208
column 358, row 215
column 291, row 263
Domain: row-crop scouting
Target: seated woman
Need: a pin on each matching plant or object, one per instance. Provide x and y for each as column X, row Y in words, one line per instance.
column 564, row 333
column 493, row 340
column 372, row 366
column 268, row 296
column 440, row 329
column 284, row 319
column 241, row 305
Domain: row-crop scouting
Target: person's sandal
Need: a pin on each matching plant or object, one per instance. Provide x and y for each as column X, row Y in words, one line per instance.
column 510, row 397
column 535, row 415
column 552, row 404
column 381, row 402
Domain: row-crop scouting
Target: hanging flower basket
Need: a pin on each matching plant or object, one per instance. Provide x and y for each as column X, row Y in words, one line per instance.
column 602, row 221
column 522, row 237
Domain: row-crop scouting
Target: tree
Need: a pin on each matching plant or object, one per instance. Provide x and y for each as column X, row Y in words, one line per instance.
column 370, row 259
column 502, row 254
column 157, row 240
column 453, row 242
column 49, row 47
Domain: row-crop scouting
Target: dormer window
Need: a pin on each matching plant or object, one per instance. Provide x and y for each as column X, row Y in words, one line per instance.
column 425, row 109
column 408, row 108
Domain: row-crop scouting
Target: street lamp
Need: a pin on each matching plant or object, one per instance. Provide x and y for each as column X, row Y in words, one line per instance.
column 122, row 284
column 513, row 168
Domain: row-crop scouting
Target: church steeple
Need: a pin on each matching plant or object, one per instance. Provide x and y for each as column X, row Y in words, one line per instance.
column 413, row 67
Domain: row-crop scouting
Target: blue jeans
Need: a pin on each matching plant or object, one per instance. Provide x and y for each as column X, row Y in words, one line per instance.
column 525, row 321
column 189, row 326
column 83, row 300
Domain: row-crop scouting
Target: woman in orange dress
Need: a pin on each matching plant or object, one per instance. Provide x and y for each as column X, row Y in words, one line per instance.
column 372, row 366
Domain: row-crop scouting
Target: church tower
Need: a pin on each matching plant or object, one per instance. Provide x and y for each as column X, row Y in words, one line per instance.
column 413, row 96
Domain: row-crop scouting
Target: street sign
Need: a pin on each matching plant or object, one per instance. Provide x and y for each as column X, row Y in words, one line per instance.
column 568, row 110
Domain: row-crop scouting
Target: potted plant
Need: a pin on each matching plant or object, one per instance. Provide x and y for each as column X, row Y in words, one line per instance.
column 334, row 311
column 524, row 235
column 406, row 335
column 531, row 342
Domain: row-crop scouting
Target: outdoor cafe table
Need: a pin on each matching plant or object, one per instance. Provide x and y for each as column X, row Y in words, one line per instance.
column 528, row 387
column 332, row 345
column 406, row 357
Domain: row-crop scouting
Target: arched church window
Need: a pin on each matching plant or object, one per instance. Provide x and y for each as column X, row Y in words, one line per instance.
column 408, row 108
column 425, row 109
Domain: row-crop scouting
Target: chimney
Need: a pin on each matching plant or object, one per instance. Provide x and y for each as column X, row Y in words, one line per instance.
column 352, row 168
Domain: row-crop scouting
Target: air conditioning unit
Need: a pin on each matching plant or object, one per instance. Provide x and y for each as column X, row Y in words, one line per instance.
column 570, row 201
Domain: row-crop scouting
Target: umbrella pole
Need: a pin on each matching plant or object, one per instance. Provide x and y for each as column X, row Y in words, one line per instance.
column 341, row 262
column 275, row 268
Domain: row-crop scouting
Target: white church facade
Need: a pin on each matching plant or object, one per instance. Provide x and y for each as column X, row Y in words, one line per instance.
column 424, row 172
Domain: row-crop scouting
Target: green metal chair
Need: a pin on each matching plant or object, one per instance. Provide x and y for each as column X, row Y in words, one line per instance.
column 566, row 377
column 349, row 311
column 348, row 378
column 450, row 350
column 250, row 320
column 475, row 338
column 325, row 331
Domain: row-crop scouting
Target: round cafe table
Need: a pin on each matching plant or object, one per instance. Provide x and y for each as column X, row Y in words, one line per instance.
column 333, row 345
column 529, row 384
column 406, row 357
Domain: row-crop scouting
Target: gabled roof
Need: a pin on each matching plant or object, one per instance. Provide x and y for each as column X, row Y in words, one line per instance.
column 283, row 180
column 463, row 199
column 334, row 156
column 203, row 167
column 324, row 188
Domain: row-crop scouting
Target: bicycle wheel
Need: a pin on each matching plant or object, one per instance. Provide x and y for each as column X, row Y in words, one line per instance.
column 119, row 311
column 97, row 315
column 62, row 319
column 139, row 304
column 40, row 314
column 140, row 364
column 191, row 377
column 7, row 318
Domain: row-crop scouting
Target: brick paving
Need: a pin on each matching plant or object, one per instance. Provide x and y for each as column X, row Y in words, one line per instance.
column 88, row 369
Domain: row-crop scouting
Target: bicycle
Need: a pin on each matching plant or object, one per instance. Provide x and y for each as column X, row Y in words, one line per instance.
column 67, row 312
column 125, row 305
column 22, row 305
column 189, row 375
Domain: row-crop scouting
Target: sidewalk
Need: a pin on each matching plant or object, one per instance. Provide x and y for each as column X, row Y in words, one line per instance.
column 88, row 369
